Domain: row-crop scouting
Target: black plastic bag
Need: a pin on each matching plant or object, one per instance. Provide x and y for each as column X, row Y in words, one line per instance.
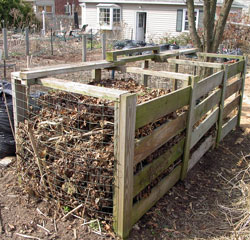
column 7, row 141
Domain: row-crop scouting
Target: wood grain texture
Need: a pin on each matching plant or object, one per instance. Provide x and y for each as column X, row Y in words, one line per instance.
column 233, row 88
column 231, row 106
column 202, row 54
column 229, row 126
column 154, row 109
column 159, row 137
column 235, row 68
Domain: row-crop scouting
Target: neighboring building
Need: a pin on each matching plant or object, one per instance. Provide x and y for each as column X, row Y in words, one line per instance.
column 43, row 5
column 143, row 19
column 66, row 7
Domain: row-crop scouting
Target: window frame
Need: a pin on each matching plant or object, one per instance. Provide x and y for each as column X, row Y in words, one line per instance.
column 185, row 11
column 112, row 24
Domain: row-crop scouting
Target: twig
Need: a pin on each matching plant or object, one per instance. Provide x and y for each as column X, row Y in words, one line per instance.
column 45, row 229
column 72, row 211
column 1, row 222
column 85, row 203
column 55, row 225
column 27, row 236
column 40, row 212
column 75, row 235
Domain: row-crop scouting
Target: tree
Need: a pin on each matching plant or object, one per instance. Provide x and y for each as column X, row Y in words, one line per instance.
column 16, row 13
column 211, row 35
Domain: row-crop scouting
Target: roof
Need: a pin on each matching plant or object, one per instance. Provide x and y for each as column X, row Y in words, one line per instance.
column 159, row 2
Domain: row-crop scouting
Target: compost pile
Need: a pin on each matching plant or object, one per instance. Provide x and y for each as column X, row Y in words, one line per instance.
column 66, row 147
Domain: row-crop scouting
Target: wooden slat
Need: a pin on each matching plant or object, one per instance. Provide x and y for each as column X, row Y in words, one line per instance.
column 202, row 54
column 80, row 88
column 233, row 88
column 112, row 55
column 195, row 63
column 140, row 208
column 164, row 74
column 159, row 137
column 231, row 106
column 204, row 126
column 208, row 84
column 207, row 104
column 155, row 168
column 227, row 127
column 127, row 111
column 69, row 68
column 235, row 68
column 136, row 58
column 154, row 109
column 203, row 148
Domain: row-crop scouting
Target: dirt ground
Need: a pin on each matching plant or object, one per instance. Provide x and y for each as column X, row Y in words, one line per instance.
column 193, row 209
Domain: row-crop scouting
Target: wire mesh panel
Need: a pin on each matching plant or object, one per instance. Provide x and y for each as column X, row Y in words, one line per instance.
column 66, row 150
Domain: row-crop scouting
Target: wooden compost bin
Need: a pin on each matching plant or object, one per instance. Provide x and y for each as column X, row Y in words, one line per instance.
column 209, row 102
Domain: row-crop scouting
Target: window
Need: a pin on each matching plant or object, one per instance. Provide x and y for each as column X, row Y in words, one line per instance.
column 109, row 16
column 182, row 20
column 47, row 9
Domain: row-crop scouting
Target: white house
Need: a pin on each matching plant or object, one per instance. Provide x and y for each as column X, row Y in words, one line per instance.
column 143, row 19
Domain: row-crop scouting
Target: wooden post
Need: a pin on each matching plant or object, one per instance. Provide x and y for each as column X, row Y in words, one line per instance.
column 222, row 100
column 243, row 76
column 5, row 43
column 84, row 48
column 104, row 46
column 27, row 47
column 96, row 74
column 221, row 52
column 144, row 78
column 19, row 96
column 51, row 41
column 123, row 201
column 175, row 81
column 189, row 130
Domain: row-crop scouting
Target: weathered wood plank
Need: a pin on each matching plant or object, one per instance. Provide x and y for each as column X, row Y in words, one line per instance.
column 233, row 88
column 159, row 165
column 144, row 78
column 235, row 68
column 125, row 60
column 231, row 106
column 159, row 137
column 127, row 111
column 164, row 74
column 203, row 148
column 154, row 109
column 140, row 208
column 80, row 88
column 68, row 68
column 195, row 63
column 227, row 127
column 112, row 55
column 208, row 84
column 207, row 104
column 202, row 54
column 204, row 126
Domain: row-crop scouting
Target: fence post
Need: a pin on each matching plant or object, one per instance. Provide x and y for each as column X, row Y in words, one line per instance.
column 192, row 82
column 5, row 43
column 84, row 48
column 243, row 76
column 175, row 81
column 27, row 47
column 104, row 46
column 96, row 74
column 144, row 78
column 222, row 100
column 124, row 142
column 91, row 39
column 51, row 41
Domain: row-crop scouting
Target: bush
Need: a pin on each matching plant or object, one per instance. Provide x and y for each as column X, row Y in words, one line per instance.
column 182, row 39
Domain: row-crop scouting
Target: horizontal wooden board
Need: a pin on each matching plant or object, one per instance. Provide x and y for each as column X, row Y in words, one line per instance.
column 202, row 54
column 206, row 85
column 195, row 63
column 163, row 74
column 229, row 126
column 140, row 208
column 204, row 126
column 206, row 105
column 136, row 58
column 156, row 108
column 203, row 148
column 231, row 106
column 80, row 88
column 159, row 137
column 155, row 168
column 68, row 68
column 235, row 68
column 112, row 55
column 233, row 88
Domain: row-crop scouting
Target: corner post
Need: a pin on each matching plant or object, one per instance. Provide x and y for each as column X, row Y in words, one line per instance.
column 175, row 81
column 221, row 107
column 124, row 143
column 97, row 74
column 243, row 76
column 144, row 78
column 192, row 82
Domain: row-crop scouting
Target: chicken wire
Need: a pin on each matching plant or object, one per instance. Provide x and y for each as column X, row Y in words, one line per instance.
column 66, row 150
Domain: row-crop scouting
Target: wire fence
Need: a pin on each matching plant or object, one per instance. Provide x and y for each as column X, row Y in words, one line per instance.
column 65, row 148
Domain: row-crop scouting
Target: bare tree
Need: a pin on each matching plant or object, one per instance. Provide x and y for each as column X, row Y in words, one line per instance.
column 213, row 29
